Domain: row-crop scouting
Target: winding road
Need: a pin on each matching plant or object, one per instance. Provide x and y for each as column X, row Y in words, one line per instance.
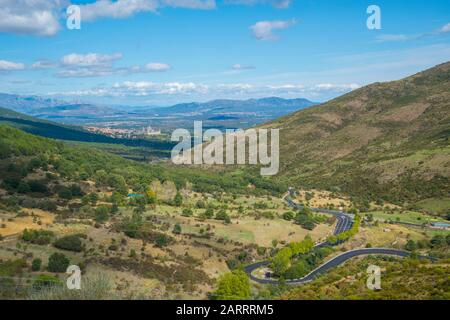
column 344, row 223
column 334, row 262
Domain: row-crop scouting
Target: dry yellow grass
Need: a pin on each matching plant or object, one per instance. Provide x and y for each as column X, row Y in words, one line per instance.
column 384, row 235
column 18, row 224
column 322, row 198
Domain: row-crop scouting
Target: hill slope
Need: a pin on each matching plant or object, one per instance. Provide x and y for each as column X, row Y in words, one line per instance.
column 55, row 130
column 385, row 141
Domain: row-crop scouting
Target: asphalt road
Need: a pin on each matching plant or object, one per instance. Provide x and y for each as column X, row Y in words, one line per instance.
column 344, row 223
column 334, row 262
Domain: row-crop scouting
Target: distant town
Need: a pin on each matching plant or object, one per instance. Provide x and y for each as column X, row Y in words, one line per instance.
column 125, row 133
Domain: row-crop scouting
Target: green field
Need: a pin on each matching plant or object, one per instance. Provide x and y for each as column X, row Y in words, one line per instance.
column 435, row 205
column 407, row 217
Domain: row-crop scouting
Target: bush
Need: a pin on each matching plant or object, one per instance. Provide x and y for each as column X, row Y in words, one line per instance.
column 40, row 237
column 70, row 243
column 12, row 268
column 36, row 264
column 223, row 215
column 289, row 215
column 200, row 204
column 209, row 213
column 187, row 212
column 101, row 214
column 233, row 286
column 45, row 282
column 37, row 186
column 162, row 240
column 410, row 245
column 177, row 228
column 305, row 219
column 297, row 270
column 438, row 241
column 65, row 193
column 178, row 200
column 58, row 262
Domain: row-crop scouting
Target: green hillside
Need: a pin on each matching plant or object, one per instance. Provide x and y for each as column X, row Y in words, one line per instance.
column 82, row 162
column 387, row 141
column 49, row 129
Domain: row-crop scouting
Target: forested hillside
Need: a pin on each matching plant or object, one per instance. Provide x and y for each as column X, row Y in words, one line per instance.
column 386, row 142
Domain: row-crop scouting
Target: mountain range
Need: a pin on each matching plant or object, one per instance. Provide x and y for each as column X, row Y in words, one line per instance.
column 218, row 113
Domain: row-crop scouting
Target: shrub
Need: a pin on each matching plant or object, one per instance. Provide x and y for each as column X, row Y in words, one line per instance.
column 12, row 268
column 45, row 282
column 209, row 213
column 289, row 215
column 58, row 262
column 223, row 215
column 410, row 245
column 65, row 193
column 297, row 270
column 177, row 228
column 162, row 240
column 40, row 237
column 233, row 286
column 178, row 200
column 200, row 204
column 101, row 214
column 70, row 243
column 36, row 264
column 187, row 212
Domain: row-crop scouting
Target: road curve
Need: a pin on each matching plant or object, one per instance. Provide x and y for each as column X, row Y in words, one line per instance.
column 344, row 223
column 334, row 262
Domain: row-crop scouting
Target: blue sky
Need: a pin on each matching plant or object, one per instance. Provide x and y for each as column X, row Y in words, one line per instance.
column 161, row 52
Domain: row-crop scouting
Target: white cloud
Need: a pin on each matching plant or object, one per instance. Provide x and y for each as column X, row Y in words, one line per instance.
column 76, row 65
column 35, row 17
column 89, row 60
column 240, row 67
column 445, row 28
column 86, row 72
column 43, row 64
column 336, row 87
column 392, row 37
column 44, row 17
column 157, row 67
column 404, row 37
column 116, row 9
column 263, row 30
column 127, row 8
column 144, row 88
column 180, row 91
column 280, row 4
column 11, row 66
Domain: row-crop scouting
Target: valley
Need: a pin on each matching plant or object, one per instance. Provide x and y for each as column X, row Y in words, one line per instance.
column 357, row 186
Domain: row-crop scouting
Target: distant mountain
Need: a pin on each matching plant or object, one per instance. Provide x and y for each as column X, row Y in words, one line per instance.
column 272, row 106
column 26, row 104
column 218, row 113
column 386, row 141
column 46, row 108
